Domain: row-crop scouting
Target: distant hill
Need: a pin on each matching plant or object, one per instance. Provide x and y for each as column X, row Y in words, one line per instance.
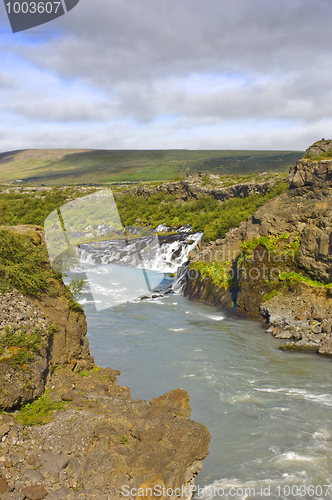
column 95, row 166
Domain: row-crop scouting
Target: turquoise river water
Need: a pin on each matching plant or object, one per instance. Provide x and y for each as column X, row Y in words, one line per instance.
column 269, row 412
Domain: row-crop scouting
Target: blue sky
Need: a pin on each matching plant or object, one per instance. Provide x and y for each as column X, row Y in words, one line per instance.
column 161, row 74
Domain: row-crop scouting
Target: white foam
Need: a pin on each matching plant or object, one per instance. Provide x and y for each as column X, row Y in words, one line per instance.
column 294, row 457
column 325, row 399
column 214, row 317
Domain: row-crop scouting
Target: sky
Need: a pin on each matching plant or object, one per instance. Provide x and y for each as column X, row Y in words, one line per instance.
column 169, row 74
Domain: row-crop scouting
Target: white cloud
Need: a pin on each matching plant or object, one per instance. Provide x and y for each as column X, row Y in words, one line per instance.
column 171, row 73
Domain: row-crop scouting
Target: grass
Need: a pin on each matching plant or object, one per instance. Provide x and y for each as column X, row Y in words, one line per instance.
column 39, row 412
column 54, row 167
column 24, row 264
column 87, row 374
column 280, row 244
column 327, row 155
column 295, row 277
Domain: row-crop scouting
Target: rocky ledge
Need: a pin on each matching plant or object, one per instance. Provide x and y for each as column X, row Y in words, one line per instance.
column 67, row 429
column 213, row 185
column 101, row 444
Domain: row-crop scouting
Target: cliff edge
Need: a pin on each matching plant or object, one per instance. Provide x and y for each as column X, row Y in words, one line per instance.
column 277, row 266
column 67, row 429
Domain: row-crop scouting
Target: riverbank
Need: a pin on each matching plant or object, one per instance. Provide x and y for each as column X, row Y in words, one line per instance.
column 276, row 266
column 68, row 430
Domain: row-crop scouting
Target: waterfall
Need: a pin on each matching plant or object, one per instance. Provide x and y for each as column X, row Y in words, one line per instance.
column 129, row 268
column 164, row 254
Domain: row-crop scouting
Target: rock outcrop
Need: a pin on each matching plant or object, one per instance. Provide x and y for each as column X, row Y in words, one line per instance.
column 312, row 170
column 318, row 148
column 302, row 217
column 62, row 342
column 194, row 186
column 103, row 444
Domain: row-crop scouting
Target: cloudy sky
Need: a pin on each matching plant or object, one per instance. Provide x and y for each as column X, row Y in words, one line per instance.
column 161, row 74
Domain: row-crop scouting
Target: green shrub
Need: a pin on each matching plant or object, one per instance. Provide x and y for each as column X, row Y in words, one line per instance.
column 295, row 277
column 219, row 272
column 124, row 439
column 39, row 412
column 205, row 214
column 34, row 207
column 24, row 264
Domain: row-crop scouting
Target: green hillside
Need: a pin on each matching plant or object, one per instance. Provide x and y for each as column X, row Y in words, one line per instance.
column 53, row 167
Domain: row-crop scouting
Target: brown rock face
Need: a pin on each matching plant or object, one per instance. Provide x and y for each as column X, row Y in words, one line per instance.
column 62, row 341
column 4, row 486
column 66, row 345
column 311, row 173
column 104, row 443
column 34, row 492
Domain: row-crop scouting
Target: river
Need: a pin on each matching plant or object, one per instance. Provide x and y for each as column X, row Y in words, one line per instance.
column 268, row 411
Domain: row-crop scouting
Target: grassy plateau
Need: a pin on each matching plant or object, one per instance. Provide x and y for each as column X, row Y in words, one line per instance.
column 54, row 167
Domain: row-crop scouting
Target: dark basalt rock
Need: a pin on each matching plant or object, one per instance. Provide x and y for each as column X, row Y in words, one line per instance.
column 319, row 147
column 191, row 188
column 303, row 212
column 310, row 172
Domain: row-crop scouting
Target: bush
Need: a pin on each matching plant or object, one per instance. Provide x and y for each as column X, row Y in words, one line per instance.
column 24, row 264
column 205, row 214
column 39, row 412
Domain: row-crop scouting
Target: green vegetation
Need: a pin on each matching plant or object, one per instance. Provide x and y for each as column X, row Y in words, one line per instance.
column 54, row 167
column 24, row 264
column 219, row 272
column 323, row 156
column 285, row 247
column 280, row 245
column 269, row 295
column 34, row 207
column 17, row 347
column 39, row 412
column 124, row 439
column 294, row 277
column 87, row 374
column 205, row 214
column 73, row 293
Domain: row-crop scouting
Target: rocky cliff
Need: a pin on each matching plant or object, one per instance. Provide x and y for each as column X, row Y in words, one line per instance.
column 81, row 436
column 280, row 259
column 208, row 185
